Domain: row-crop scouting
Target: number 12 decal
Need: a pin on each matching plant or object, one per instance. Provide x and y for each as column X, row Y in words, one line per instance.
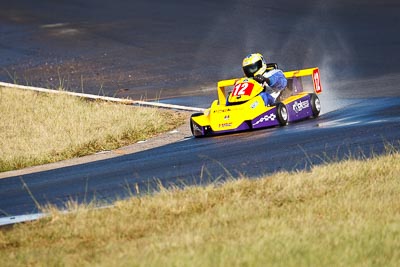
column 242, row 89
column 317, row 81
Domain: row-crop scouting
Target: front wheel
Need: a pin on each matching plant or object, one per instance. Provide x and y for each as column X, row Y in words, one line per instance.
column 193, row 127
column 315, row 105
column 282, row 114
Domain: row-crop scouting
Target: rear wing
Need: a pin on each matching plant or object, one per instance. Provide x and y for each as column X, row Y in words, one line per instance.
column 313, row 72
column 294, row 80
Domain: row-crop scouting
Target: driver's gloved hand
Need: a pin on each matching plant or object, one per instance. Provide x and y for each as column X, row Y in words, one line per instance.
column 261, row 79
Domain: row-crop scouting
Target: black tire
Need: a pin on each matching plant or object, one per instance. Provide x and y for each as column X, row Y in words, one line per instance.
column 282, row 114
column 191, row 123
column 315, row 105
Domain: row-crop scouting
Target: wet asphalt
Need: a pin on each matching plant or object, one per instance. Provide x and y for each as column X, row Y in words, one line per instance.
column 359, row 130
column 176, row 51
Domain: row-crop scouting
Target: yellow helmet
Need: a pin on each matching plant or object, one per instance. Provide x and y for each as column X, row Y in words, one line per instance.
column 253, row 65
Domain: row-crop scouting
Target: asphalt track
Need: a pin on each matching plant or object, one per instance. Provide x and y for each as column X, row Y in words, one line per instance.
column 173, row 50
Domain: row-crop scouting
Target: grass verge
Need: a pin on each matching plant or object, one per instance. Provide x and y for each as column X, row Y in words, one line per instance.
column 38, row 128
column 342, row 214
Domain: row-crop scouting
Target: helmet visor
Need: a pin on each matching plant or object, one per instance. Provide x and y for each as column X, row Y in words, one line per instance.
column 249, row 70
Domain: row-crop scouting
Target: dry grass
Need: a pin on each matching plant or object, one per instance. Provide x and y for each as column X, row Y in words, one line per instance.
column 38, row 128
column 343, row 214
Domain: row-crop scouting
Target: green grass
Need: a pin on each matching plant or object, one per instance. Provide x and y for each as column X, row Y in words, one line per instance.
column 38, row 128
column 341, row 214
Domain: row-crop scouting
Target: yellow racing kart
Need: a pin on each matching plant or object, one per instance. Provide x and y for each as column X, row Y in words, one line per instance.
column 242, row 107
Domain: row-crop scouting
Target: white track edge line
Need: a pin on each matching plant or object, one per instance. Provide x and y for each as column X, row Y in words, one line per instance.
column 105, row 98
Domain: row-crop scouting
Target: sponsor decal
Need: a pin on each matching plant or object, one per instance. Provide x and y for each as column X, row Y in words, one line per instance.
column 221, row 110
column 299, row 106
column 254, row 105
column 270, row 117
column 222, row 125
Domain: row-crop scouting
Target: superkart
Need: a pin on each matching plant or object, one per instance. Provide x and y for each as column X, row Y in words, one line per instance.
column 242, row 108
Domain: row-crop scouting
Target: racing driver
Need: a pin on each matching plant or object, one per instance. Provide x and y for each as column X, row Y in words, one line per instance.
column 273, row 81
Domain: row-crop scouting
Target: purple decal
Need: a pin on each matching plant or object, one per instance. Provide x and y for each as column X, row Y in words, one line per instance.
column 300, row 109
column 266, row 119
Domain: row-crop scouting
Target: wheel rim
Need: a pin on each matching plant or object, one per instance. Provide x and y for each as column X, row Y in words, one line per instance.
column 317, row 104
column 192, row 127
column 284, row 113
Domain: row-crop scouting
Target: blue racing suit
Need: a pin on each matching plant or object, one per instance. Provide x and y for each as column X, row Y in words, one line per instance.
column 277, row 82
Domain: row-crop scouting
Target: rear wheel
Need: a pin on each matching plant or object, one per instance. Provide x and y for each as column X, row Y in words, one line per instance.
column 282, row 114
column 315, row 105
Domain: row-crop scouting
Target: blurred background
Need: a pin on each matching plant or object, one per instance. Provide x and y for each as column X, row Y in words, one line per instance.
column 179, row 49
